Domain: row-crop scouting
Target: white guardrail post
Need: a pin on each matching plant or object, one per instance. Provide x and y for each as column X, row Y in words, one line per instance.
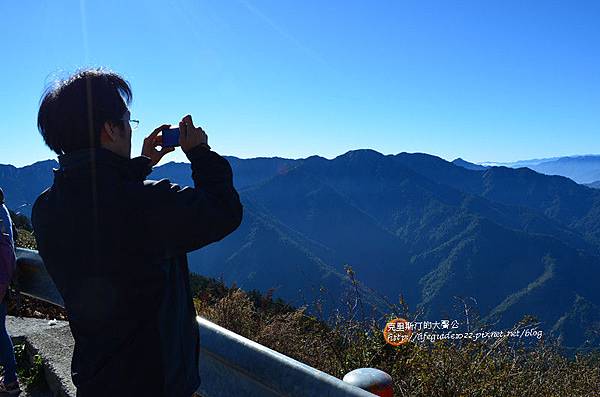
column 231, row 365
column 374, row 380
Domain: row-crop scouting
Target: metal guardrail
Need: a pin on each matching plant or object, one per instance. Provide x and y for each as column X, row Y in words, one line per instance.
column 33, row 278
column 231, row 362
column 231, row 365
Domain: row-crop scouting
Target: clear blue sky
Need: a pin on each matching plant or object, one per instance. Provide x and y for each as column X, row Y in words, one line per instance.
column 483, row 80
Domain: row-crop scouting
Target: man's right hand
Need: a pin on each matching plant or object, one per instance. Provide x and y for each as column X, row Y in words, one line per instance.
column 190, row 136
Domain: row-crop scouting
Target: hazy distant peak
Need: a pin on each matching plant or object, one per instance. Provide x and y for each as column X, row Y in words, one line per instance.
column 594, row 185
column 580, row 168
column 582, row 158
column 523, row 163
column 470, row 166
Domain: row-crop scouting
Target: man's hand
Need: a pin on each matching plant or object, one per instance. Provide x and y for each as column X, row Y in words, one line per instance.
column 190, row 136
column 151, row 142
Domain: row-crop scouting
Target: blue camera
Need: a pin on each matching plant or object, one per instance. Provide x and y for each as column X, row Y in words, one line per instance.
column 170, row 137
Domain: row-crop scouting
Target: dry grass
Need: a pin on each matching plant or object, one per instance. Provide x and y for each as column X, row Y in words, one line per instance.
column 344, row 343
column 26, row 239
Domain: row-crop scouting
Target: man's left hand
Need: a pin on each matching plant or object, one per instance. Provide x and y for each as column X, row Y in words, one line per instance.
column 151, row 142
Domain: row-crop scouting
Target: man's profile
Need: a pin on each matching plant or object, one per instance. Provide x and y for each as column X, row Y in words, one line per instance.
column 115, row 244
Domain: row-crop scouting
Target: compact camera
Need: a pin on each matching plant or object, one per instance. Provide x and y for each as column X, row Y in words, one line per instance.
column 170, row 137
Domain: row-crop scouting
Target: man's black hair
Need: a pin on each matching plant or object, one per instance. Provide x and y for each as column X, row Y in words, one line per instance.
column 73, row 111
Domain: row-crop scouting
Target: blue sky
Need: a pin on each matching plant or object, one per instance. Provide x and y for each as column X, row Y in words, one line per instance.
column 486, row 81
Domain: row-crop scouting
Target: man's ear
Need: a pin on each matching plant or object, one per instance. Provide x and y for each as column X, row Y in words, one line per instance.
column 108, row 133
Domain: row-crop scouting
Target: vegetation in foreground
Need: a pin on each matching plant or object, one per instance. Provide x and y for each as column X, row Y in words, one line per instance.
column 30, row 374
column 345, row 343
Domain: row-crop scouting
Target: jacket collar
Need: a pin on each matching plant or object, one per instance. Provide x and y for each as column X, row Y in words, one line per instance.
column 85, row 159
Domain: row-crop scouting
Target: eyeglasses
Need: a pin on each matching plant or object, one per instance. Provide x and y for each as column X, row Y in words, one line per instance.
column 133, row 123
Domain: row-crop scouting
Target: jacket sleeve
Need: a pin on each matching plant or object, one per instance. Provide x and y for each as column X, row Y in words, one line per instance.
column 173, row 220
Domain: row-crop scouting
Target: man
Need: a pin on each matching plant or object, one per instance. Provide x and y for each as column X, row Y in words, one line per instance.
column 115, row 244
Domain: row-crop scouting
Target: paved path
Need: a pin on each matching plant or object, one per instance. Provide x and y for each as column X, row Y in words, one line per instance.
column 54, row 343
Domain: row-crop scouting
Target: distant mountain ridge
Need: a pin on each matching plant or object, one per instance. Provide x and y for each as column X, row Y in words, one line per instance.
column 22, row 185
column 584, row 169
column 517, row 241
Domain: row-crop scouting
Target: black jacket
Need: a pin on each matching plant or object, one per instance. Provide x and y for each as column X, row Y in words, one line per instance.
column 115, row 246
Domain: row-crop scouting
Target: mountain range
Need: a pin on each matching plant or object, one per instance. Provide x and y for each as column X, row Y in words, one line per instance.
column 512, row 241
column 582, row 169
